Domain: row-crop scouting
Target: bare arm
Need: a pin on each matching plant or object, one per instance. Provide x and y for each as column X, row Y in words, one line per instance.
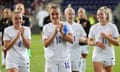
column 114, row 41
column 68, row 37
column 92, row 43
column 48, row 41
column 26, row 42
column 83, row 39
column 8, row 44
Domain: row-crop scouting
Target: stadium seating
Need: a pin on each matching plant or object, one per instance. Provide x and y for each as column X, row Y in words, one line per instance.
column 90, row 5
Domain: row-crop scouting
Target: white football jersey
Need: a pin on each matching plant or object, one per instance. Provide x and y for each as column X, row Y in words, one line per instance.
column 75, row 50
column 57, row 51
column 18, row 53
column 95, row 33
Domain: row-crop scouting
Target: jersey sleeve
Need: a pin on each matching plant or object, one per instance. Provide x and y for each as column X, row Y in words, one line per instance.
column 68, row 28
column 92, row 32
column 45, row 33
column 115, row 31
column 83, row 33
column 28, row 33
column 6, row 35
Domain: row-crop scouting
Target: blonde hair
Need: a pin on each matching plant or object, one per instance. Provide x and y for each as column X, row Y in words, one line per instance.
column 50, row 5
column 55, row 7
column 8, row 10
column 21, row 5
column 84, row 12
column 69, row 8
column 14, row 14
column 105, row 9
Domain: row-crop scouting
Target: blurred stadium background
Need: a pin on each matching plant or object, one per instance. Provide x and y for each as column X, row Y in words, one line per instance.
column 32, row 7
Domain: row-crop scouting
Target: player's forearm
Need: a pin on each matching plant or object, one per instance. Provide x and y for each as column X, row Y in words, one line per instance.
column 26, row 42
column 9, row 44
column 114, row 41
column 83, row 39
column 47, row 42
column 68, row 37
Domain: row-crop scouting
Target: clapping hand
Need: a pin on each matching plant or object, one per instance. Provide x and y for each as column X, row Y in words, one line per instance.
column 21, row 30
column 106, row 36
column 59, row 27
column 100, row 44
column 103, row 35
column 82, row 39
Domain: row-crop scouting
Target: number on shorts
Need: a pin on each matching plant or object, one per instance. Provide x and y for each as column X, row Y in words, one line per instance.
column 67, row 65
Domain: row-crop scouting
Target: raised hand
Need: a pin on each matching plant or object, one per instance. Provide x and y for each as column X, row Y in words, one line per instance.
column 83, row 39
column 100, row 44
column 106, row 36
column 21, row 29
column 109, row 35
column 103, row 35
column 59, row 27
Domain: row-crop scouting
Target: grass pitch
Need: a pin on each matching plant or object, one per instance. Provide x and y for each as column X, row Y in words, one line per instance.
column 38, row 61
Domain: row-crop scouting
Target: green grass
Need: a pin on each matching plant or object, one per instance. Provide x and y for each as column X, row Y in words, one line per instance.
column 38, row 61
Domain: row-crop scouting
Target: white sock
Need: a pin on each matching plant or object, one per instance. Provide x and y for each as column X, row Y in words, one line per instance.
column 83, row 65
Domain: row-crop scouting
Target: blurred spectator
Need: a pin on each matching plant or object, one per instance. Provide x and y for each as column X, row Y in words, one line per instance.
column 92, row 19
column 1, row 13
column 39, row 2
column 83, row 20
column 6, row 20
column 33, row 7
column 26, row 20
column 41, row 15
column 110, row 15
column 109, row 10
column 47, row 18
column 116, row 15
column 4, row 23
